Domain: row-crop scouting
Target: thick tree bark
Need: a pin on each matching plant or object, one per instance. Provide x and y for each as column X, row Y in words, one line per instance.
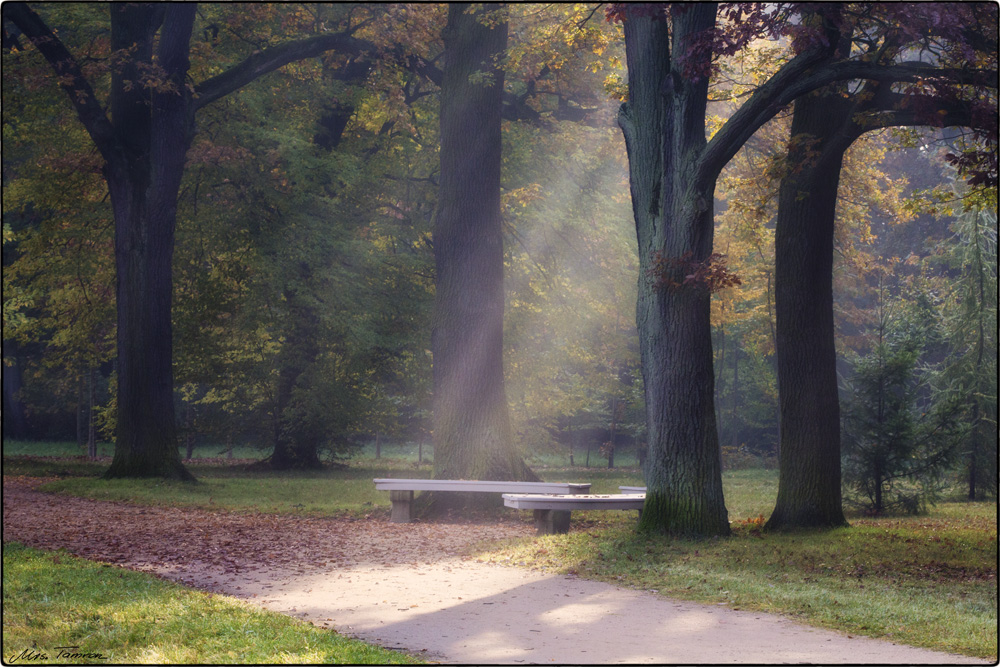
column 472, row 431
column 296, row 446
column 824, row 125
column 663, row 125
column 809, row 487
column 152, row 131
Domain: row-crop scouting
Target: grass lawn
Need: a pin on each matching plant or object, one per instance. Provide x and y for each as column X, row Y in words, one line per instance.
column 926, row 581
column 112, row 615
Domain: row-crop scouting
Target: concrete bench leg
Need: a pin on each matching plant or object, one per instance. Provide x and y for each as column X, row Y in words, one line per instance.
column 402, row 502
column 549, row 522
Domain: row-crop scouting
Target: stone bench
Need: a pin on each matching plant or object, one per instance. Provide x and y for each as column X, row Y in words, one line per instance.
column 632, row 489
column 552, row 513
column 401, row 490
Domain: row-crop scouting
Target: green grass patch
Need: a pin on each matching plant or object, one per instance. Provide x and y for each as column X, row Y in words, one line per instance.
column 53, row 600
column 406, row 452
column 328, row 492
column 601, row 480
column 62, row 449
column 52, row 448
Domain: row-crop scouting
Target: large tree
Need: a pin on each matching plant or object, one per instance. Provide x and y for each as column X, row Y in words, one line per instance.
column 664, row 127
column 472, row 429
column 825, row 124
column 143, row 136
column 673, row 170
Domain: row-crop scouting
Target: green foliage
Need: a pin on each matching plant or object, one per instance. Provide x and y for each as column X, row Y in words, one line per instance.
column 58, row 278
column 303, row 326
column 899, row 439
column 969, row 371
column 55, row 599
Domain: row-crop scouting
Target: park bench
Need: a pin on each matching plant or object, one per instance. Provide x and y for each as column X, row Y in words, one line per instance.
column 552, row 513
column 401, row 490
column 632, row 489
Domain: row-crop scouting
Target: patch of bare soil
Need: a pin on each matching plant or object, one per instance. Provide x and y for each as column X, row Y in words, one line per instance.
column 414, row 587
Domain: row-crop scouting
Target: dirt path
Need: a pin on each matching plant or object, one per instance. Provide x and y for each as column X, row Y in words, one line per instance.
column 411, row 586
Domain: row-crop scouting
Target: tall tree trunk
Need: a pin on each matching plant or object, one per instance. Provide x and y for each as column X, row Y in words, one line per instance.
column 664, row 127
column 878, row 490
column 809, row 483
column 296, row 445
column 720, row 379
column 973, row 459
column 774, row 342
column 473, row 438
column 152, row 131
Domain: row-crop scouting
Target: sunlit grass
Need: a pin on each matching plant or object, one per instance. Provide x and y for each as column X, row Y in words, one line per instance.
column 53, row 600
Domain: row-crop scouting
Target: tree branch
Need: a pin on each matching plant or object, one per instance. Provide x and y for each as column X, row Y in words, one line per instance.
column 268, row 60
column 897, row 109
column 795, row 79
column 763, row 105
column 70, row 77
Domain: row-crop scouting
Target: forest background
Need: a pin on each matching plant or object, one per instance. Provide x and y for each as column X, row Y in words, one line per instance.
column 304, row 245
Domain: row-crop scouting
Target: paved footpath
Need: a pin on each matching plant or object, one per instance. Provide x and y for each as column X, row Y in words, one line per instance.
column 467, row 612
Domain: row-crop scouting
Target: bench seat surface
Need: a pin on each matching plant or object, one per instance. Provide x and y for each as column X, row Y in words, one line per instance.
column 616, row 501
column 487, row 486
